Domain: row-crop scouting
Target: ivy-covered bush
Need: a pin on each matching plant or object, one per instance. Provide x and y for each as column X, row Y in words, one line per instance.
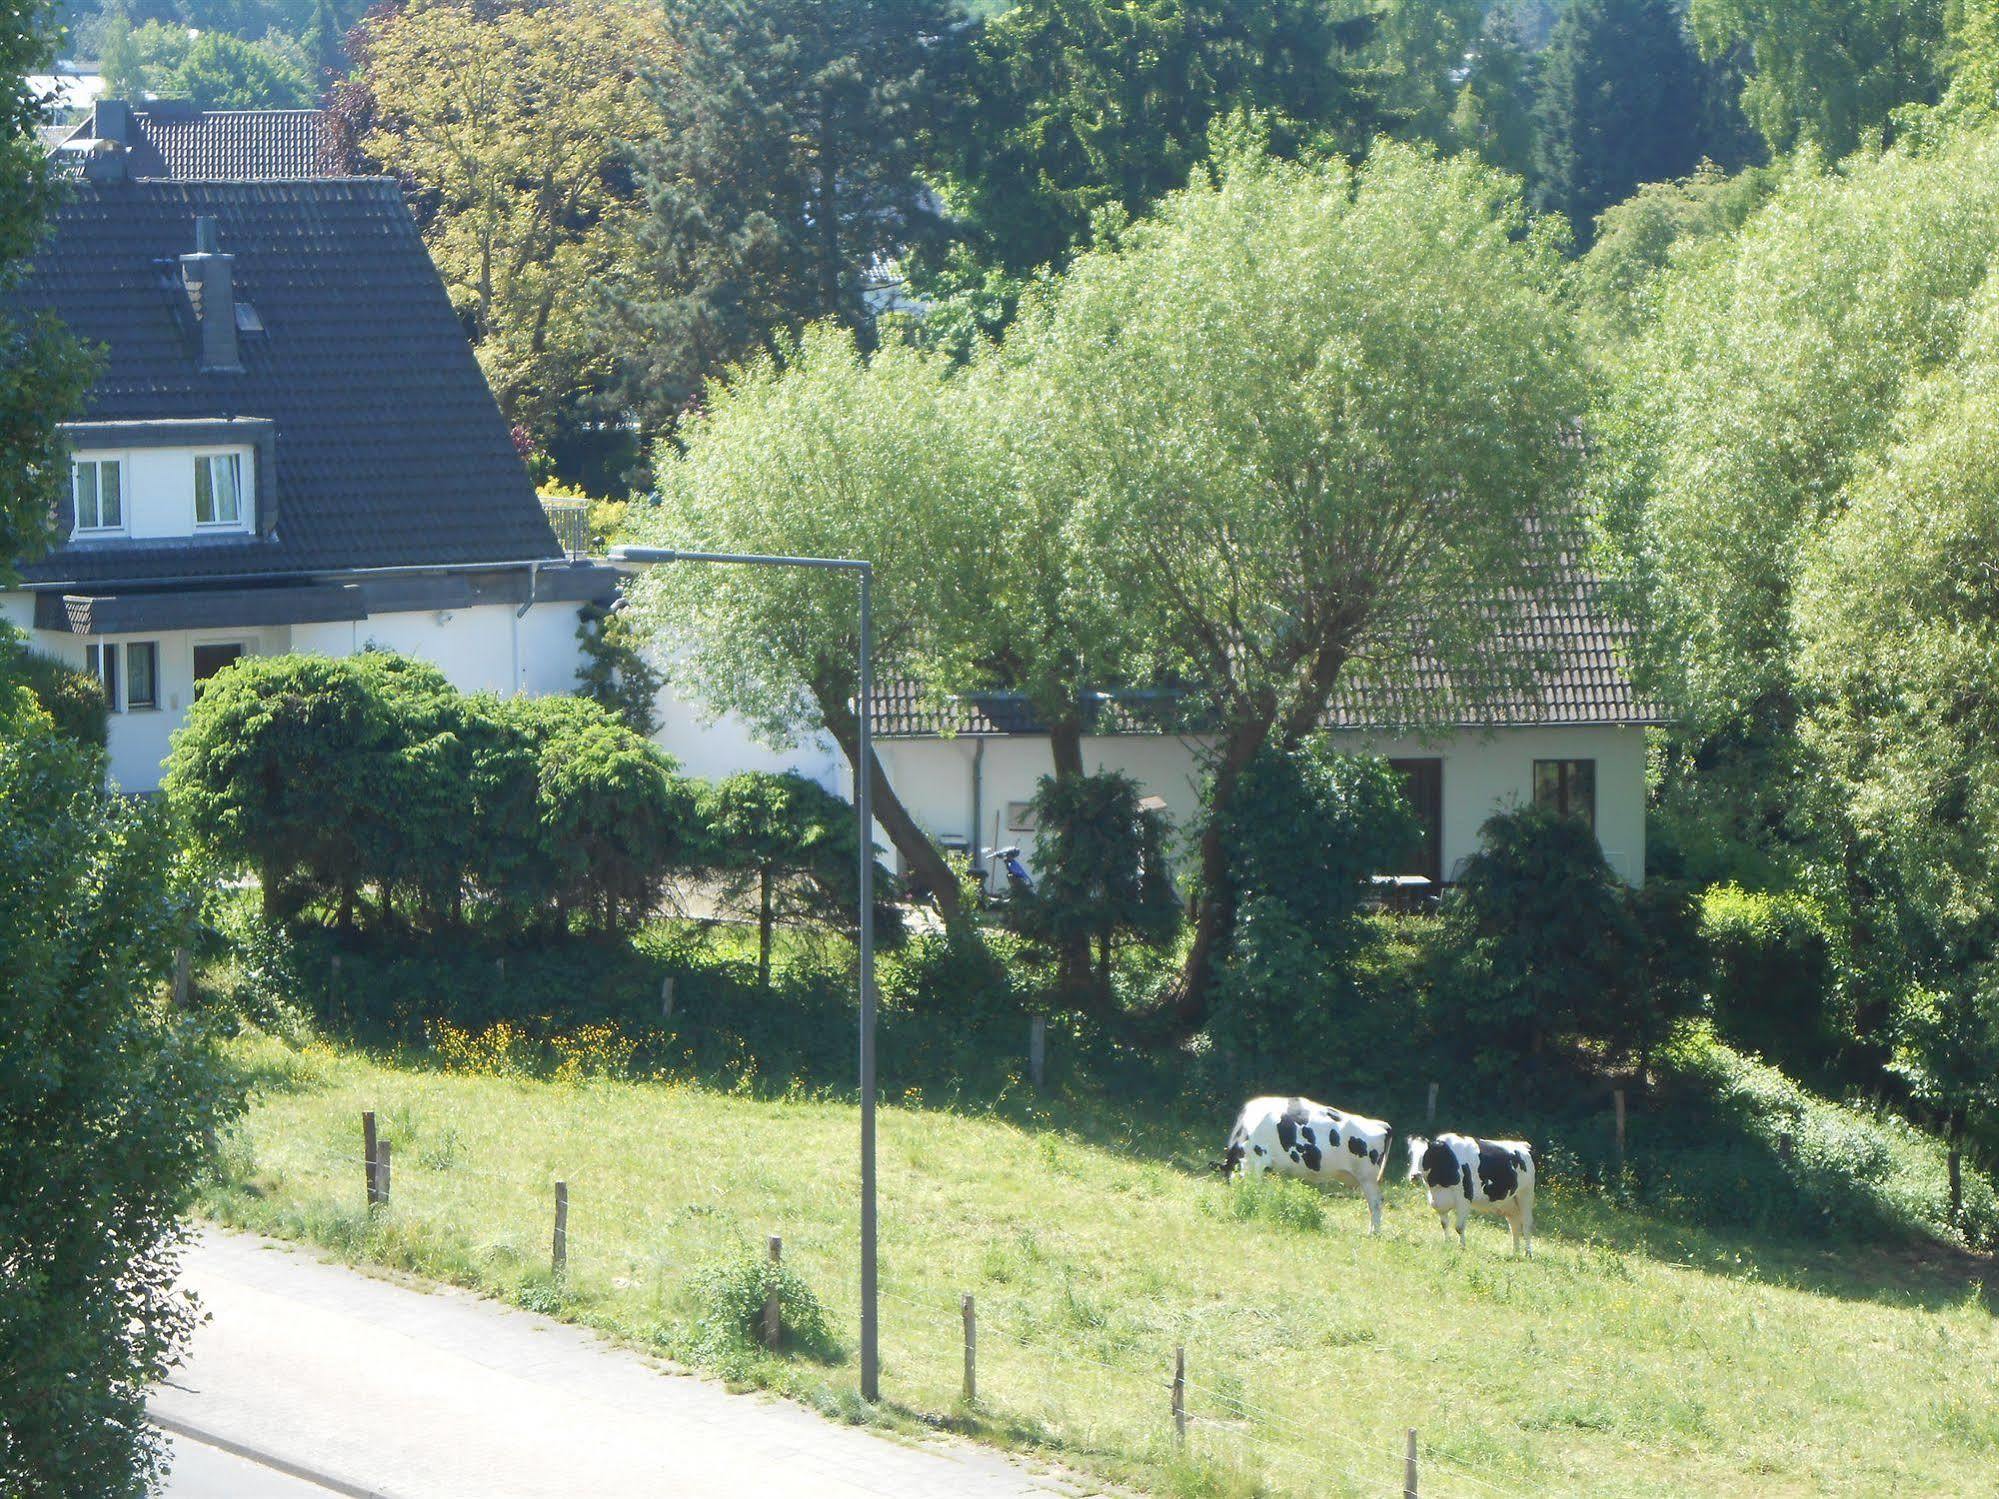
column 73, row 700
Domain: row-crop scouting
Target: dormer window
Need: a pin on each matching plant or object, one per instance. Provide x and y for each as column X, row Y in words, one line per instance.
column 218, row 489
column 97, row 489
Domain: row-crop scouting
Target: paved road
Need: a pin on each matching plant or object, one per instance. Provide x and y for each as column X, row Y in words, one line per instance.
column 376, row 1388
column 203, row 1472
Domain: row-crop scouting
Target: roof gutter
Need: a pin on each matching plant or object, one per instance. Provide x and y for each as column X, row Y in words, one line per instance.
column 533, row 564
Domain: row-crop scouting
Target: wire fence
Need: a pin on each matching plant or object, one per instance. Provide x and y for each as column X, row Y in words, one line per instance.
column 1045, row 1390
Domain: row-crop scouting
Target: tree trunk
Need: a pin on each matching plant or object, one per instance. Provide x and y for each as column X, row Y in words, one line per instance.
column 1954, row 1162
column 1214, row 899
column 1072, row 955
column 763, row 934
column 919, row 854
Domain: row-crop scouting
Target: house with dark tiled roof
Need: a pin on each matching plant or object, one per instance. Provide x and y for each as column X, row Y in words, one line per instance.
column 174, row 138
column 289, row 447
column 1564, row 727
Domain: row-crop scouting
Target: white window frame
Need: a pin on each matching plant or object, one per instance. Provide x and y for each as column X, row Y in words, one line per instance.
column 97, row 461
column 97, row 654
column 204, row 465
column 152, row 646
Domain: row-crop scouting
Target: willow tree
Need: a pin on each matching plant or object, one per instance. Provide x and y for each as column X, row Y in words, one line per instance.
column 1897, row 619
column 1312, row 413
column 833, row 456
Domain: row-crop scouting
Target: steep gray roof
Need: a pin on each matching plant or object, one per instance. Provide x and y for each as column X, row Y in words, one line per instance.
column 172, row 138
column 389, row 448
column 1569, row 666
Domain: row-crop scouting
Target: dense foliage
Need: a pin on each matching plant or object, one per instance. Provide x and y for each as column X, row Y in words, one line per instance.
column 108, row 1104
column 360, row 783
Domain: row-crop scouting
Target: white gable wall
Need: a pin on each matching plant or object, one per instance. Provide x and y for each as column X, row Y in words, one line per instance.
column 1483, row 773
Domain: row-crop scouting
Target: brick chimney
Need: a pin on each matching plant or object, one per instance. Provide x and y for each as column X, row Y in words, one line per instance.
column 208, row 276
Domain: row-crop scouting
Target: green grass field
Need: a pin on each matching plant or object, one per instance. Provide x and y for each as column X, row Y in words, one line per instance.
column 1630, row 1357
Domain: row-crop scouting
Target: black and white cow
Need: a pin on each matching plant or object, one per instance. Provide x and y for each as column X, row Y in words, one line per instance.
column 1296, row 1137
column 1493, row 1176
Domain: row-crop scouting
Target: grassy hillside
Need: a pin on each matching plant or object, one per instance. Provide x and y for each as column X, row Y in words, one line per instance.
column 1630, row 1357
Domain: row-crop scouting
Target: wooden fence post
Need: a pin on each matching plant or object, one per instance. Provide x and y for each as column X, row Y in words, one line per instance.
column 1037, row 1050
column 666, row 998
column 1430, row 1113
column 559, row 1254
column 1784, row 1146
column 1409, row 1468
column 499, row 976
column 383, row 1156
column 183, row 978
column 971, row 1348
column 1180, row 1393
column 369, row 1156
column 1617, row 1101
column 773, row 1318
column 333, row 980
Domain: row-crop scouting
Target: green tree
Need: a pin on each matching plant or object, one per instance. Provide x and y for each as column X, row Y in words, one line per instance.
column 780, row 850
column 1494, row 113
column 1070, row 108
column 1830, row 73
column 783, row 168
column 1307, row 403
column 109, row 1104
column 1616, row 103
column 833, row 456
column 119, row 61
column 1102, row 878
column 1898, row 644
column 1766, row 381
column 73, row 700
column 509, row 122
column 225, row 72
column 615, row 673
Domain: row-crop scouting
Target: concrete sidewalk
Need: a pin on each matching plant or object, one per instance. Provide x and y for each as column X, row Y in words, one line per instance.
column 377, row 1388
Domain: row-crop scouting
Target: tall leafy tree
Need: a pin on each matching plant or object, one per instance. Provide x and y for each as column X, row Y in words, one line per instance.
column 1617, row 103
column 1828, row 72
column 507, row 120
column 782, row 170
column 829, row 455
column 1494, row 112
column 107, row 1103
column 1309, row 403
column 221, row 71
column 1073, row 107
column 1898, row 643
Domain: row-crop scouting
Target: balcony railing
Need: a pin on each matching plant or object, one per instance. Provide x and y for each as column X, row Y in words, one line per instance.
column 570, row 521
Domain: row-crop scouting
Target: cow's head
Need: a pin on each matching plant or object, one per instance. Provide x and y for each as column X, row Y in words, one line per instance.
column 1226, row 1166
column 1417, row 1145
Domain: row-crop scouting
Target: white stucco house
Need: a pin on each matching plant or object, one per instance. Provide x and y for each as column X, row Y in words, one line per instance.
column 289, row 446
column 1573, row 736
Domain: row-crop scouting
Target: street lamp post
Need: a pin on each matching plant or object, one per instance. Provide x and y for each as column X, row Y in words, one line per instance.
column 864, row 815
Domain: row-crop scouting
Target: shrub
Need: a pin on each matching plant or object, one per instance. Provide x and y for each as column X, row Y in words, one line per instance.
column 369, row 775
column 1274, row 1199
column 1542, row 943
column 1101, row 857
column 73, row 700
column 1308, row 829
column 1771, row 977
column 731, row 1296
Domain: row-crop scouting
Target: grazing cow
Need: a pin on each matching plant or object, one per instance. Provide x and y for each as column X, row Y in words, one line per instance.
column 1494, row 1176
column 1296, row 1137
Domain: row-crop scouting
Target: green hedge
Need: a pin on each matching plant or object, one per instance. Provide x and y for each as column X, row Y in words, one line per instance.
column 1771, row 978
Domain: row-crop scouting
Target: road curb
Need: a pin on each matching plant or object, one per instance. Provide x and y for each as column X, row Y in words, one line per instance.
column 265, row 1459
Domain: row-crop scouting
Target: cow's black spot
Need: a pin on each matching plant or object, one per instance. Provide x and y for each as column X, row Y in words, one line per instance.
column 1496, row 1172
column 1309, row 1154
column 1357, row 1145
column 1374, row 1156
column 1440, row 1165
column 1519, row 1160
column 1287, row 1132
column 1259, row 1150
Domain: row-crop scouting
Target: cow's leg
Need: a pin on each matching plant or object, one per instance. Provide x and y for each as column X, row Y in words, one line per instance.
column 1372, row 1191
column 1464, row 1214
column 1527, row 1225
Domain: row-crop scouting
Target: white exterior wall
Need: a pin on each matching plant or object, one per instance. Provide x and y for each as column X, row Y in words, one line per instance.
column 1483, row 773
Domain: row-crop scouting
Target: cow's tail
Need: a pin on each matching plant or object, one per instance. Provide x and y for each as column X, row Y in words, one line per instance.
column 1387, row 1152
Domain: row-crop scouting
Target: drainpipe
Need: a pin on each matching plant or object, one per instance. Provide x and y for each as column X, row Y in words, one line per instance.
column 978, row 789
column 514, row 627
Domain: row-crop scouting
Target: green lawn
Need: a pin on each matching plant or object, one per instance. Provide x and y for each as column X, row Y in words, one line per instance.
column 1630, row 1357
